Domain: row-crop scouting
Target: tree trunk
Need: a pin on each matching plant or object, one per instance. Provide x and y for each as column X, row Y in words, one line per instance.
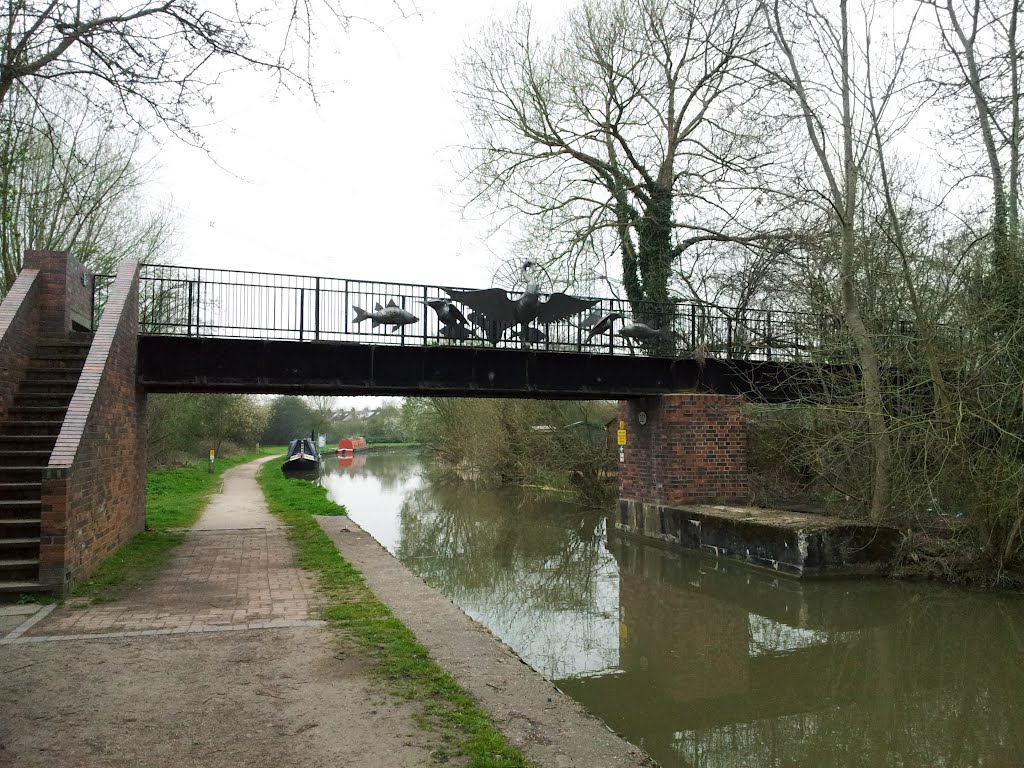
column 871, row 380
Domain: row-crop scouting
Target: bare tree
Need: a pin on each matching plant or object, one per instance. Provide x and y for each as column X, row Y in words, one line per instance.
column 817, row 66
column 322, row 410
column 76, row 184
column 624, row 130
column 981, row 76
column 154, row 58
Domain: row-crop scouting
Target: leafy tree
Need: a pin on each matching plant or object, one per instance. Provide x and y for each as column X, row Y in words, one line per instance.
column 189, row 425
column 289, row 418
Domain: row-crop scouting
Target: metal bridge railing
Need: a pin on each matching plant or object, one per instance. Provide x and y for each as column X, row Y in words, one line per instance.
column 188, row 301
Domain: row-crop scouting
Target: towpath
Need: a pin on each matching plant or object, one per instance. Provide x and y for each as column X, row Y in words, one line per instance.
column 219, row 661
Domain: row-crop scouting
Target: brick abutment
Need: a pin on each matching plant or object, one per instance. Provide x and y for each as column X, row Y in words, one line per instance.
column 683, row 449
column 72, row 448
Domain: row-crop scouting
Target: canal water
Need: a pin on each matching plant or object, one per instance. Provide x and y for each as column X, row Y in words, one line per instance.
column 708, row 664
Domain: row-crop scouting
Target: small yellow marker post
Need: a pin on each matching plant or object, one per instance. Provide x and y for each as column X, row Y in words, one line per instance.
column 211, row 461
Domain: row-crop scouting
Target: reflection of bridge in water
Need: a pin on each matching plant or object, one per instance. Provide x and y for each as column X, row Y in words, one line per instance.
column 725, row 666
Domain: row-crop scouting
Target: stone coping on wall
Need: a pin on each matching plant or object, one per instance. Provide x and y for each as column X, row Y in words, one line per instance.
column 14, row 300
column 63, row 456
column 785, row 542
column 17, row 333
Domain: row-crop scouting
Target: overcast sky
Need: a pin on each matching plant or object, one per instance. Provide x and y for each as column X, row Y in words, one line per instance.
column 363, row 185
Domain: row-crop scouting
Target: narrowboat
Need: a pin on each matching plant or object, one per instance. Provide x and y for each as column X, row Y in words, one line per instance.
column 302, row 456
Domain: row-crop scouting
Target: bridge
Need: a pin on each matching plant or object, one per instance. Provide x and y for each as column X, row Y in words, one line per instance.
column 80, row 352
column 208, row 330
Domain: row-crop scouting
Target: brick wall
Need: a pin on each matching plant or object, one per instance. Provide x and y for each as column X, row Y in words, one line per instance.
column 66, row 292
column 94, row 489
column 692, row 449
column 19, row 315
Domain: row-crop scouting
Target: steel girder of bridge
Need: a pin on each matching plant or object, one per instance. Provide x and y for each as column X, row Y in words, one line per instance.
column 204, row 364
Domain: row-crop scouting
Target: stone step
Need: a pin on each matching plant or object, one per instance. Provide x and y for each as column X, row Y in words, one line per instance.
column 20, row 568
column 14, row 587
column 62, row 348
column 37, row 413
column 54, row 372
column 21, row 458
column 71, row 341
column 21, row 474
column 27, row 442
column 20, row 490
column 19, row 527
column 22, row 428
column 12, row 563
column 20, row 509
column 43, row 399
column 47, row 387
column 20, row 550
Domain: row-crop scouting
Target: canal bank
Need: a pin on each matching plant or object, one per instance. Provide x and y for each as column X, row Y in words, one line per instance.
column 550, row 728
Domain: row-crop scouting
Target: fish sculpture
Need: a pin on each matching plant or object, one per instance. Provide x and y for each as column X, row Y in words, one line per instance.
column 496, row 310
column 392, row 315
column 642, row 332
column 604, row 324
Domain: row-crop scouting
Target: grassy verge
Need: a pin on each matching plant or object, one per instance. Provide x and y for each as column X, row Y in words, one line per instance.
column 354, row 610
column 174, row 499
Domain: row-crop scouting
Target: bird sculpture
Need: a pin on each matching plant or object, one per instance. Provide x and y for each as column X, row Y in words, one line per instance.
column 533, row 335
column 603, row 325
column 495, row 311
column 458, row 333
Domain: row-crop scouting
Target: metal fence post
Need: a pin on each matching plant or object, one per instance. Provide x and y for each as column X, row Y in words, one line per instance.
column 188, row 327
column 316, row 305
column 302, row 312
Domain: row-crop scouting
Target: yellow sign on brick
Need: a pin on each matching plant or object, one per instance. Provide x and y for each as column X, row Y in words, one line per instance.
column 622, row 437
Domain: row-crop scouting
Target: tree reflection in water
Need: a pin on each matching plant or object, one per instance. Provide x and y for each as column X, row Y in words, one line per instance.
column 530, row 566
column 707, row 663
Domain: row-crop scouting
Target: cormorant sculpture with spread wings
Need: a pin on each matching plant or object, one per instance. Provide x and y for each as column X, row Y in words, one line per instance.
column 494, row 311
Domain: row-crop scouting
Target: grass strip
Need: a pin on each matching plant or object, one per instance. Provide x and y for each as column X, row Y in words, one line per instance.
column 354, row 610
column 174, row 499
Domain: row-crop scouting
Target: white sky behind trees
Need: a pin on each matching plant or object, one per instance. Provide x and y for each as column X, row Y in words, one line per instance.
column 363, row 186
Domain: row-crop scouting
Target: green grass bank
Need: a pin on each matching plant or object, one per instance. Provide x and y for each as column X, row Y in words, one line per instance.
column 174, row 499
column 353, row 611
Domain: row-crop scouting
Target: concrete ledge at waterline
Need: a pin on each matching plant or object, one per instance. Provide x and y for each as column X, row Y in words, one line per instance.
column 790, row 543
column 549, row 727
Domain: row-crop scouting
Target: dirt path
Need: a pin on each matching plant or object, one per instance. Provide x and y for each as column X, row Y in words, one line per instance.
column 220, row 661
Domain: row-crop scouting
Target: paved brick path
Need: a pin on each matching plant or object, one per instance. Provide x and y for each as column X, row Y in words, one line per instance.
column 221, row 579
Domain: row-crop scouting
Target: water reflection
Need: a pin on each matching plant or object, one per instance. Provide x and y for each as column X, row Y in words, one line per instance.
column 530, row 567
column 706, row 663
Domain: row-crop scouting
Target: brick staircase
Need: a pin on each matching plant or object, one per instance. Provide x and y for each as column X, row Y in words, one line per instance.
column 27, row 436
